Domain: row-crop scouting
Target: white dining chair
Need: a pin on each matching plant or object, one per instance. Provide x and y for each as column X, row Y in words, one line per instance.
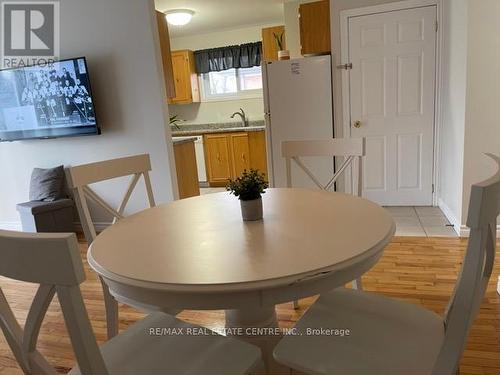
column 53, row 261
column 388, row 337
column 80, row 177
column 350, row 149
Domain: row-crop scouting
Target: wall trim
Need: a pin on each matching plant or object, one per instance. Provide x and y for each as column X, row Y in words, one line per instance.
column 465, row 232
column 462, row 230
column 450, row 216
column 17, row 227
column 99, row 226
column 11, row 225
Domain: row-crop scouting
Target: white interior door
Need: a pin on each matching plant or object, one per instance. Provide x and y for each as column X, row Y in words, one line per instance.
column 392, row 92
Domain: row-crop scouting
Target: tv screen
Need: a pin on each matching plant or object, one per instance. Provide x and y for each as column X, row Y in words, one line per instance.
column 47, row 101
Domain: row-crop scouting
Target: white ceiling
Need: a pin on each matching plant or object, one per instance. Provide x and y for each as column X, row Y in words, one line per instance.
column 216, row 15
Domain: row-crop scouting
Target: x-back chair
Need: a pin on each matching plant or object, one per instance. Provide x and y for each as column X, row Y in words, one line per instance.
column 351, row 149
column 80, row 177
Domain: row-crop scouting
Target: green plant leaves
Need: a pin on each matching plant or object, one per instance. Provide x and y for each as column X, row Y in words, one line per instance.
column 250, row 185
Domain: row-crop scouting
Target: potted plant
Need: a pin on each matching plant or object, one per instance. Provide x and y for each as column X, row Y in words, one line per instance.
column 249, row 188
column 173, row 120
column 283, row 54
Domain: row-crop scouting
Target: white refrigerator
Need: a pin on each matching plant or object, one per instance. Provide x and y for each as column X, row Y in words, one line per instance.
column 298, row 102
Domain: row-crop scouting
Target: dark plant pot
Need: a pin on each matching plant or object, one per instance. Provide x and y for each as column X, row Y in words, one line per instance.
column 251, row 210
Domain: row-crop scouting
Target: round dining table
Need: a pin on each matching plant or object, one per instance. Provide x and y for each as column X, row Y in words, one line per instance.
column 199, row 254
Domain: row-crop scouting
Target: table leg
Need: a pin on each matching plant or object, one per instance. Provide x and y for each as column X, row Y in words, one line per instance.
column 245, row 324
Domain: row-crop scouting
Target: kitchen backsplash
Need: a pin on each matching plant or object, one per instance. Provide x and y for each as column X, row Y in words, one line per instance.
column 217, row 112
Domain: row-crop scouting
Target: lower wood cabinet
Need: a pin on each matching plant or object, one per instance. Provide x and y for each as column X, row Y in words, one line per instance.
column 240, row 152
column 227, row 155
column 187, row 172
column 217, row 159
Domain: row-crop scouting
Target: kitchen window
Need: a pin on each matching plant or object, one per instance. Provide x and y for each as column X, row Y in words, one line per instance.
column 232, row 84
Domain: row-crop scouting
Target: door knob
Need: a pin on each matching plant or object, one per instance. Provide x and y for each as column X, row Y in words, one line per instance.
column 357, row 124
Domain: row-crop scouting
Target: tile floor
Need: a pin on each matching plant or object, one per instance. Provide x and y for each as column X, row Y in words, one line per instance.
column 410, row 221
column 421, row 222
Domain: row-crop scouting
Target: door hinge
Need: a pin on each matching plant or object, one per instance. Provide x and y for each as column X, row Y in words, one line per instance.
column 437, row 26
column 433, row 189
column 347, row 66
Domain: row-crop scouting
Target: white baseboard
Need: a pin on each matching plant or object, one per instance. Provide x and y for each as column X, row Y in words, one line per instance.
column 99, row 226
column 16, row 226
column 465, row 231
column 462, row 230
column 11, row 225
column 450, row 216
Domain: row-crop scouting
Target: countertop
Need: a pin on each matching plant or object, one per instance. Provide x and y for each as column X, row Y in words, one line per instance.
column 177, row 133
column 181, row 140
column 199, row 129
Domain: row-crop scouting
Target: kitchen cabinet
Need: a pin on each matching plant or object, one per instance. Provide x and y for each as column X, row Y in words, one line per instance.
column 227, row 155
column 314, row 20
column 217, row 159
column 166, row 54
column 185, row 165
column 185, row 78
column 269, row 46
column 258, row 154
column 240, row 152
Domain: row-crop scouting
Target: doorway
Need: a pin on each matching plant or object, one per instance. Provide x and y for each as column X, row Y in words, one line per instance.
column 391, row 100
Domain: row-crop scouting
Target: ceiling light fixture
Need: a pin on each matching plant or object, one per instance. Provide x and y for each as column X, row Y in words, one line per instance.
column 179, row 17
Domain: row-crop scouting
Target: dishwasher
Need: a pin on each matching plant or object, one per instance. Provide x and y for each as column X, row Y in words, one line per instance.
column 200, row 161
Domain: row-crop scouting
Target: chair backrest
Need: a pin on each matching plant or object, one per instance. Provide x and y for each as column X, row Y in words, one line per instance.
column 484, row 208
column 53, row 261
column 349, row 148
column 81, row 176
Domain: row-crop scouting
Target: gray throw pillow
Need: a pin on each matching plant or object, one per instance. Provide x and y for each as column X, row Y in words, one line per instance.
column 47, row 184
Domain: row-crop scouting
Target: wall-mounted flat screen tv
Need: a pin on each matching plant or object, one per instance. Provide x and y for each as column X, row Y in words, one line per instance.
column 47, row 101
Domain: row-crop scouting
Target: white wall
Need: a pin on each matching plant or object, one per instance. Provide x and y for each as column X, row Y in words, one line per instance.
column 119, row 39
column 471, row 113
column 482, row 120
column 219, row 38
column 211, row 112
column 453, row 97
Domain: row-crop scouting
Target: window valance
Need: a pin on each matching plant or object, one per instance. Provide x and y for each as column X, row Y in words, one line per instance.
column 224, row 58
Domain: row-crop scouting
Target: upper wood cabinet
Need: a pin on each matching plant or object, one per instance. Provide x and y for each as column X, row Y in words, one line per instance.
column 269, row 46
column 185, row 78
column 314, row 19
column 166, row 54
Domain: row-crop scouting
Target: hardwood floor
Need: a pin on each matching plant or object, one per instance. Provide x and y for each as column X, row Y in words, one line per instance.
column 417, row 270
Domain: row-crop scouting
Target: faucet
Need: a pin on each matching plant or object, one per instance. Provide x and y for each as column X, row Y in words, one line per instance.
column 242, row 115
